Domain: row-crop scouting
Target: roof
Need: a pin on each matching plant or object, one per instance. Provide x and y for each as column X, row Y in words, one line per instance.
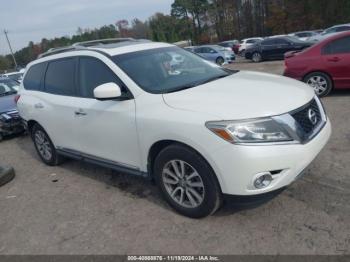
column 13, row 73
column 340, row 25
column 113, row 46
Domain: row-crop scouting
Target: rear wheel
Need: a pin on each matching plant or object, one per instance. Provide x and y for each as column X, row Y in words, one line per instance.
column 320, row 82
column 187, row 182
column 45, row 147
column 256, row 57
column 220, row 60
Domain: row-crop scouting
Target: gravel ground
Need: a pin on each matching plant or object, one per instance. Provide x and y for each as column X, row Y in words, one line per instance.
column 78, row 208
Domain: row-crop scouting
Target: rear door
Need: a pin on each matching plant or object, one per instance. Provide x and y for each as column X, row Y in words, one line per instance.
column 106, row 129
column 53, row 106
column 268, row 49
column 336, row 57
column 282, row 46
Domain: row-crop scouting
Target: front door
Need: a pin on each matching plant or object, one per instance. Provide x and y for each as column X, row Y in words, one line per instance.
column 58, row 98
column 106, row 129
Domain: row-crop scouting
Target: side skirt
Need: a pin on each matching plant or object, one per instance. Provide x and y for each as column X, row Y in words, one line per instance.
column 102, row 162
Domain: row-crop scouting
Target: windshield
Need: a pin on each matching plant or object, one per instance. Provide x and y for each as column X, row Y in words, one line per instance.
column 8, row 87
column 165, row 70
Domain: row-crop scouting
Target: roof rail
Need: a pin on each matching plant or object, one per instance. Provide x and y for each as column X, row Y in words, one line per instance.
column 54, row 51
column 102, row 42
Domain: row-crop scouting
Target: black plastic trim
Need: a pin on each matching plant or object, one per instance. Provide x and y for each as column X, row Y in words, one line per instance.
column 101, row 162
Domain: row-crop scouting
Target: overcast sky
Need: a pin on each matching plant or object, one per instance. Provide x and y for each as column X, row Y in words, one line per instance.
column 35, row 19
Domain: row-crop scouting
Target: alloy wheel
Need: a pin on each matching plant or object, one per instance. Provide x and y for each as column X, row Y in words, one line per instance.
column 220, row 61
column 256, row 57
column 183, row 183
column 43, row 145
column 318, row 83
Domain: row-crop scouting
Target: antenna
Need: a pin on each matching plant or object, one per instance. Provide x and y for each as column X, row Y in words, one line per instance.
column 8, row 41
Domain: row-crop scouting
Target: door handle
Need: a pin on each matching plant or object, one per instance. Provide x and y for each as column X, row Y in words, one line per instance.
column 334, row 59
column 80, row 112
column 38, row 106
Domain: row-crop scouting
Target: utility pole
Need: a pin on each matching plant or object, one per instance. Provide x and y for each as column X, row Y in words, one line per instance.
column 8, row 41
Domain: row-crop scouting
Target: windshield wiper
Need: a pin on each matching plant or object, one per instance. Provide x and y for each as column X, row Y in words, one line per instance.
column 212, row 79
column 195, row 84
column 181, row 88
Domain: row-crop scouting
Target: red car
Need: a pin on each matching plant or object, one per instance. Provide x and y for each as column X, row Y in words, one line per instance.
column 323, row 66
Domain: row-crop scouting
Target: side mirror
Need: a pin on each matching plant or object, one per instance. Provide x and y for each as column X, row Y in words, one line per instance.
column 107, row 91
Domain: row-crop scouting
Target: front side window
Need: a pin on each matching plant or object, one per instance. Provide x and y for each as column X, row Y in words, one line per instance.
column 33, row 77
column 158, row 71
column 59, row 77
column 210, row 50
column 339, row 46
column 92, row 73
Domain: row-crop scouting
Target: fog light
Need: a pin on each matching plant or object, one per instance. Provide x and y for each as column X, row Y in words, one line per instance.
column 263, row 180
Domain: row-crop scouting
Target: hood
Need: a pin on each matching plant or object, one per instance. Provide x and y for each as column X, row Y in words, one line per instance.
column 243, row 95
column 7, row 103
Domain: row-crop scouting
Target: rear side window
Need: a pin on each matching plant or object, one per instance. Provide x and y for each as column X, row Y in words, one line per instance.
column 59, row 77
column 281, row 42
column 268, row 42
column 33, row 77
column 92, row 73
column 339, row 46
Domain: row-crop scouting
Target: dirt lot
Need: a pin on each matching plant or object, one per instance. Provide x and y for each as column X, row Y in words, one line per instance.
column 79, row 208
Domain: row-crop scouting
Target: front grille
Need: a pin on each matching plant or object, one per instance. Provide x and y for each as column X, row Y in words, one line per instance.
column 308, row 117
column 10, row 117
column 13, row 114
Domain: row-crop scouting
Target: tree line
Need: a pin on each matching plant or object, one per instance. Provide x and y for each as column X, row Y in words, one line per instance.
column 204, row 21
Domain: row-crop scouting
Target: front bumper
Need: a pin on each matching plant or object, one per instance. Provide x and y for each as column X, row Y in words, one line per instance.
column 10, row 124
column 237, row 166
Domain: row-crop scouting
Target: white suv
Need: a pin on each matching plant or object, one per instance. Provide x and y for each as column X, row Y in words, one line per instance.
column 199, row 130
column 248, row 42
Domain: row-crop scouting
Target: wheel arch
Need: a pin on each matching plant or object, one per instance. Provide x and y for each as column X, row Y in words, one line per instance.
column 158, row 146
column 30, row 125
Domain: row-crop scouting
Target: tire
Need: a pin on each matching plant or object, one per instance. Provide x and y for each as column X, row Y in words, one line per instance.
column 44, row 147
column 6, row 175
column 220, row 60
column 320, row 82
column 256, row 57
column 1, row 137
column 198, row 176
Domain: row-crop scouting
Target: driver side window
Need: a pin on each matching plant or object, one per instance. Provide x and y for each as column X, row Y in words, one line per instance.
column 92, row 73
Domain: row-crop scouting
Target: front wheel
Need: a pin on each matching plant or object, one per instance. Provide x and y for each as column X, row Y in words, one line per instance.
column 187, row 182
column 320, row 82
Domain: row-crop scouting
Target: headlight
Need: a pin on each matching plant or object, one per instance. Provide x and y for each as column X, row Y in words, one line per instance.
column 250, row 131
